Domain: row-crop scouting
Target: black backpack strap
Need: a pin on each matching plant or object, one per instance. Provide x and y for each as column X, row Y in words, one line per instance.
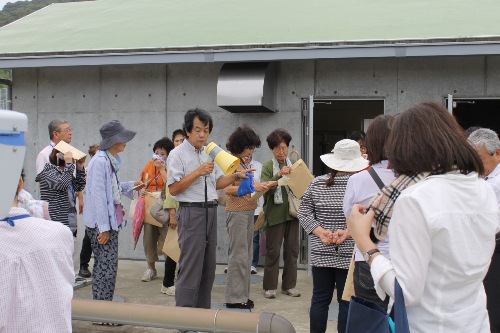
column 376, row 178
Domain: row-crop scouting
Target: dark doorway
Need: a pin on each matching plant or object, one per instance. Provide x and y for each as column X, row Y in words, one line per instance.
column 334, row 120
column 477, row 112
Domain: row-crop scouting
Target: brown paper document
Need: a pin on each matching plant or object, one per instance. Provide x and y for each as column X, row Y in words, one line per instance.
column 171, row 246
column 149, row 200
column 256, row 195
column 283, row 181
column 299, row 179
column 64, row 147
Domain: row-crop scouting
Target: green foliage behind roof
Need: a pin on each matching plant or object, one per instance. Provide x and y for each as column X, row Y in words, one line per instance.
column 131, row 25
column 15, row 10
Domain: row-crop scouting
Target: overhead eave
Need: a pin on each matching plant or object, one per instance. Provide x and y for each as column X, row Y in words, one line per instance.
column 246, row 53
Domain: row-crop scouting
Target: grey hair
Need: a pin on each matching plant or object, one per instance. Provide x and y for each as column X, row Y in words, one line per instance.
column 54, row 126
column 486, row 138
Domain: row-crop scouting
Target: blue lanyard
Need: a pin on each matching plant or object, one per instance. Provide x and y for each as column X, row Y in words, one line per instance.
column 10, row 220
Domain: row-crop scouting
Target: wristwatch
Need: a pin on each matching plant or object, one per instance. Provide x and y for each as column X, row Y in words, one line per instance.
column 367, row 255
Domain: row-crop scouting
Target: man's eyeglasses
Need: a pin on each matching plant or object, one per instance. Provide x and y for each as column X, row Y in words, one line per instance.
column 66, row 130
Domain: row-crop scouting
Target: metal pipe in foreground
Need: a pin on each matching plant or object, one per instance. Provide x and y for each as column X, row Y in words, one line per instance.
column 178, row 317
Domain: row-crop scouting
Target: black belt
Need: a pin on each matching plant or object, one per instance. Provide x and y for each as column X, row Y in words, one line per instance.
column 209, row 204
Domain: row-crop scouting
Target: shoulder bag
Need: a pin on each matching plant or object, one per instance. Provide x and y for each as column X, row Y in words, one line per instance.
column 380, row 184
column 293, row 204
column 158, row 213
column 366, row 316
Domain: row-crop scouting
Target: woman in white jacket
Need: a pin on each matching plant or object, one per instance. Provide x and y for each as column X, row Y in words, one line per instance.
column 442, row 230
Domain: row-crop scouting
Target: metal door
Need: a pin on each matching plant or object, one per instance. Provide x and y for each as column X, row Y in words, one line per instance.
column 307, row 130
column 307, row 109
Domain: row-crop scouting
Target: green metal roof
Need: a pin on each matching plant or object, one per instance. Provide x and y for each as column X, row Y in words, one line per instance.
column 145, row 26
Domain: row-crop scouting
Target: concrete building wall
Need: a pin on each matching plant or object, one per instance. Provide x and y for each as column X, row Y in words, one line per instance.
column 152, row 100
column 87, row 97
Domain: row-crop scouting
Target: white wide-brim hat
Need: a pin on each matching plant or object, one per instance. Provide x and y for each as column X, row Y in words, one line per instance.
column 345, row 156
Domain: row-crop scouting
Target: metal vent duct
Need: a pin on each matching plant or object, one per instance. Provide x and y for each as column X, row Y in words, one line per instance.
column 247, row 87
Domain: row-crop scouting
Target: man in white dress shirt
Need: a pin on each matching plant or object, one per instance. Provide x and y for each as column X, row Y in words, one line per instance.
column 60, row 130
column 191, row 172
column 487, row 146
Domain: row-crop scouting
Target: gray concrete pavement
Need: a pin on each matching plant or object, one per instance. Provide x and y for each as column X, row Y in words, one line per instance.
column 130, row 287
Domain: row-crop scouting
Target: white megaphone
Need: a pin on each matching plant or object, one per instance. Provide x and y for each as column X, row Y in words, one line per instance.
column 227, row 162
column 13, row 125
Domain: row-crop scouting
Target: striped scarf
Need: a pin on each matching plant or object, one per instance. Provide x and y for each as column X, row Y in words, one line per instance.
column 383, row 202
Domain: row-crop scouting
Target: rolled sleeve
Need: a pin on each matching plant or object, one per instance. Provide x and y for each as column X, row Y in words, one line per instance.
column 218, row 172
column 175, row 168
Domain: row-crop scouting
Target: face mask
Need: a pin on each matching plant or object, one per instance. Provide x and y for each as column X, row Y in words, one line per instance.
column 158, row 157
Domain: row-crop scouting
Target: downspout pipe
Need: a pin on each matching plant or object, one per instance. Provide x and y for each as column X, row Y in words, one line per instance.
column 180, row 318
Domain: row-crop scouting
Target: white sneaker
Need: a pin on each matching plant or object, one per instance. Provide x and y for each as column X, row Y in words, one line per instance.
column 253, row 270
column 149, row 275
column 270, row 294
column 170, row 291
column 291, row 292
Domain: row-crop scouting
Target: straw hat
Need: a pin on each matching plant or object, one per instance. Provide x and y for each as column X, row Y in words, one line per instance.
column 112, row 133
column 345, row 156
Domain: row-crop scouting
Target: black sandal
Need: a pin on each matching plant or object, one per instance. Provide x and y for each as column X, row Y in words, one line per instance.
column 243, row 305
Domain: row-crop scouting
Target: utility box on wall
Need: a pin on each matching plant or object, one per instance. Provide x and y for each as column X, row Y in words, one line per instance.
column 247, row 87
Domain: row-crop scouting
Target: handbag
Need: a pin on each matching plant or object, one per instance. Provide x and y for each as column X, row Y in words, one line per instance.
column 293, row 204
column 149, row 200
column 171, row 245
column 366, row 316
column 158, row 213
column 119, row 214
column 131, row 209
